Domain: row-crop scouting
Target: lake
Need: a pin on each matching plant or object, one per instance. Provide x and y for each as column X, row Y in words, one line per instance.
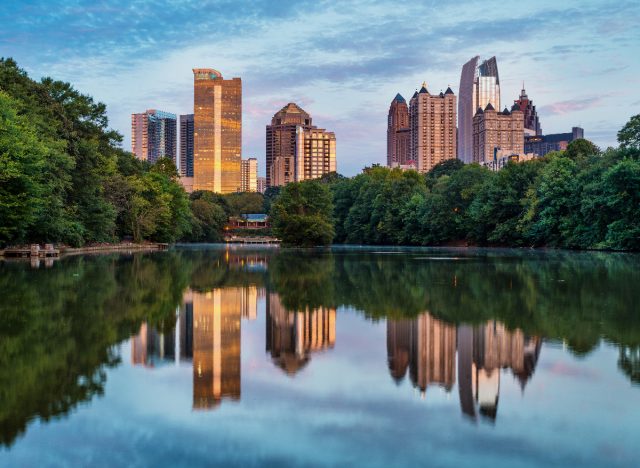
column 207, row 355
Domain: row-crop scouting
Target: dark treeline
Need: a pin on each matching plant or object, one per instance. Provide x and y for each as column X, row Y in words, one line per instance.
column 580, row 198
column 64, row 177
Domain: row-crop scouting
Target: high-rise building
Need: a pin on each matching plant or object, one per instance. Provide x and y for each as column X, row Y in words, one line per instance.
column 295, row 149
column 186, row 145
column 497, row 134
column 543, row 144
column 432, row 120
column 398, row 133
column 531, row 121
column 249, row 175
column 153, row 135
column 262, row 184
column 217, row 131
column 479, row 86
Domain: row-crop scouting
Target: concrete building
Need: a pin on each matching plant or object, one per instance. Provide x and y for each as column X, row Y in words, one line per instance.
column 249, row 175
column 432, row 122
column 497, row 134
column 531, row 120
column 262, row 184
column 479, row 86
column 186, row 146
column 217, row 131
column 153, row 135
column 543, row 144
column 398, row 133
column 295, row 149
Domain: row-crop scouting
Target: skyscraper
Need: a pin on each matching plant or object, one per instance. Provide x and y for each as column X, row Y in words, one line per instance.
column 398, row 133
column 497, row 134
column 432, row 120
column 531, row 120
column 153, row 135
column 295, row 149
column 262, row 184
column 479, row 86
column 249, row 175
column 186, row 145
column 217, row 131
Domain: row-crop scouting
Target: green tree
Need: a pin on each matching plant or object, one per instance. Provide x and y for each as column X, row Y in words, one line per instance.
column 301, row 215
column 629, row 135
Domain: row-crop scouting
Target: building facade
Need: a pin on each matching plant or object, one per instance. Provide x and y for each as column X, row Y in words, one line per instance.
column 531, row 120
column 398, row 133
column 479, row 86
column 432, row 122
column 249, row 175
column 186, row 146
column 217, row 131
column 296, row 150
column 153, row 135
column 543, row 144
column 262, row 184
column 497, row 134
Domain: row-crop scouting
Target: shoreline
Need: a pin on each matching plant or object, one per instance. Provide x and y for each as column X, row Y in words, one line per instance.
column 69, row 251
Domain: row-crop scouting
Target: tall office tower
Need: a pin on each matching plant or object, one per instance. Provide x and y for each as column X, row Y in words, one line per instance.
column 479, row 86
column 153, row 135
column 531, row 121
column 216, row 346
column 249, row 175
column 261, row 184
column 293, row 335
column 497, row 134
column 432, row 119
column 295, row 149
column 398, row 133
column 217, row 131
column 186, row 145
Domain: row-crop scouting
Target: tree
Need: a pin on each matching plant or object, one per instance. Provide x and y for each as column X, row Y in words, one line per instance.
column 629, row 135
column 580, row 148
column 301, row 214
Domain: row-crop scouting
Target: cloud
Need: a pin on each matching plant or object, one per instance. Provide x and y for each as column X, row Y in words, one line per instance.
column 573, row 105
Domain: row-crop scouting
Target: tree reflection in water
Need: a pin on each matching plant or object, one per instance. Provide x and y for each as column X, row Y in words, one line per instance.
column 490, row 310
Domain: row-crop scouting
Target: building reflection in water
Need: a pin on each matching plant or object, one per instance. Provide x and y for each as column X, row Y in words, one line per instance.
column 428, row 346
column 293, row 335
column 207, row 332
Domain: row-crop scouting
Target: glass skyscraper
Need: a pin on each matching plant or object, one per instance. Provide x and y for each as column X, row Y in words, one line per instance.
column 153, row 135
column 479, row 86
column 186, row 145
column 217, row 131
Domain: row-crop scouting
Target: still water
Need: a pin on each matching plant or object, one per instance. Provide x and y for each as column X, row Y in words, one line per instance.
column 385, row 357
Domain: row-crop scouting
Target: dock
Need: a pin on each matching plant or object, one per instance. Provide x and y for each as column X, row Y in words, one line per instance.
column 34, row 251
column 251, row 240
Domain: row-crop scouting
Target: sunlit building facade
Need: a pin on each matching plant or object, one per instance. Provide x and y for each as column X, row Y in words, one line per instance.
column 398, row 133
column 153, row 135
column 217, row 120
column 295, row 149
column 497, row 134
column 479, row 86
column 432, row 120
column 249, row 175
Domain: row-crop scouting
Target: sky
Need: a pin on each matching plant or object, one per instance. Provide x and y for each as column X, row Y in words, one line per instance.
column 342, row 61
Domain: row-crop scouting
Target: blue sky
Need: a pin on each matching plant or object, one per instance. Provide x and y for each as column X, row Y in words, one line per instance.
column 342, row 61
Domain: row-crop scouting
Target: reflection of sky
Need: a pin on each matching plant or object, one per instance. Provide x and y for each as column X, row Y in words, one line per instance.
column 345, row 407
column 342, row 61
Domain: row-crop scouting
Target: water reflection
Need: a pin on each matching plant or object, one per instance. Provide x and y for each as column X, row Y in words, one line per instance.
column 487, row 318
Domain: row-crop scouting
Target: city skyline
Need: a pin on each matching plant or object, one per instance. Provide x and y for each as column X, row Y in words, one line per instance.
column 131, row 59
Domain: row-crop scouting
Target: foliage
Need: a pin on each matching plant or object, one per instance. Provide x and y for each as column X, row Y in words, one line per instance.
column 629, row 135
column 301, row 214
column 245, row 202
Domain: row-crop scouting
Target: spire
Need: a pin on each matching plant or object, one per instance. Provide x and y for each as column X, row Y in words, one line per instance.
column 523, row 93
column 424, row 88
column 399, row 98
